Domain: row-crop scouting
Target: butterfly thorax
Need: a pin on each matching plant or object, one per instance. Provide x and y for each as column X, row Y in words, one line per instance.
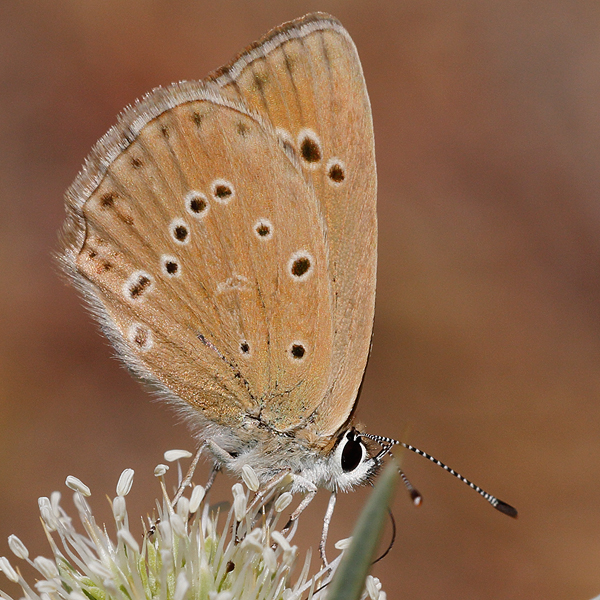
column 340, row 467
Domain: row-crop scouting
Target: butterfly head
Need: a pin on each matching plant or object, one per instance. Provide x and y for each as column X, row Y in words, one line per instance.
column 351, row 462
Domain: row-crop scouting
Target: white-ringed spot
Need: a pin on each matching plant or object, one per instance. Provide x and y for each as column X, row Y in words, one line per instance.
column 263, row 229
column 140, row 336
column 138, row 284
column 310, row 148
column 300, row 265
column 180, row 231
column 196, row 204
column 222, row 191
column 234, row 283
column 297, row 351
column 336, row 171
column 170, row 265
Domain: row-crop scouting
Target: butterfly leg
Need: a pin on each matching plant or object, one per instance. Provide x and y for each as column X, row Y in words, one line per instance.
column 188, row 476
column 311, row 492
column 211, row 477
column 325, row 531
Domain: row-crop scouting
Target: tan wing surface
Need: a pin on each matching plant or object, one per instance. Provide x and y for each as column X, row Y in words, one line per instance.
column 179, row 228
column 306, row 79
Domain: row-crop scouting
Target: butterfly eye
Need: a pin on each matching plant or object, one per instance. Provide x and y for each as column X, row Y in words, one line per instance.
column 353, row 452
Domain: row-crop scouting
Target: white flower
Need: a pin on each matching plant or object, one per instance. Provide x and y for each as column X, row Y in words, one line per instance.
column 188, row 552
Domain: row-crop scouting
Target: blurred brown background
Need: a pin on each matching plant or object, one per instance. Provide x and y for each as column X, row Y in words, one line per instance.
column 487, row 336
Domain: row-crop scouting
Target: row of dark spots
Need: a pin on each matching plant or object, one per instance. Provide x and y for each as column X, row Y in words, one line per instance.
column 102, row 265
column 297, row 350
column 241, row 127
column 197, row 203
column 300, row 268
column 311, row 153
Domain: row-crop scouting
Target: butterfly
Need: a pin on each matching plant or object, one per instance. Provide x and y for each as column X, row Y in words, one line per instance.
column 224, row 232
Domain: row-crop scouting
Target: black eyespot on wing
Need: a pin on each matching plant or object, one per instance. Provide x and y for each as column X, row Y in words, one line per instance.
column 298, row 351
column 260, row 80
column 141, row 337
column 108, row 200
column 310, row 151
column 245, row 348
column 197, row 118
column 222, row 191
column 171, row 267
column 180, row 233
column 263, row 229
column 336, row 173
column 300, row 266
column 139, row 286
column 352, row 453
column 197, row 205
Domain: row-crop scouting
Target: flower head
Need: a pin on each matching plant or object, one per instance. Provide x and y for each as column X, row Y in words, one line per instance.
column 187, row 552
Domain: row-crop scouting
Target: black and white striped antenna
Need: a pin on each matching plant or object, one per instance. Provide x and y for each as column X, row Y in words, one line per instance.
column 388, row 443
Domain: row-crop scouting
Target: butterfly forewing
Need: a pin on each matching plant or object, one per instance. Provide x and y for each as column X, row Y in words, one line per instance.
column 306, row 79
column 204, row 251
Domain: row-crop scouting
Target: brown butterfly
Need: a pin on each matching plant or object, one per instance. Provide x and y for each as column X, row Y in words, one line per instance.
column 225, row 234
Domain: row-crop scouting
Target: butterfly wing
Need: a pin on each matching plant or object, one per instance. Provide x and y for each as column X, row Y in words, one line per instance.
column 305, row 78
column 202, row 250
